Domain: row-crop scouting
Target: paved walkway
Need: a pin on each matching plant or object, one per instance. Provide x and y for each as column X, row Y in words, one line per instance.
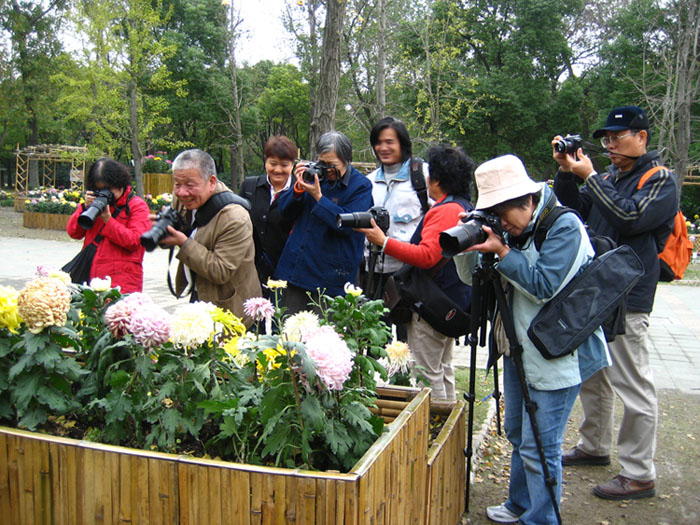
column 674, row 331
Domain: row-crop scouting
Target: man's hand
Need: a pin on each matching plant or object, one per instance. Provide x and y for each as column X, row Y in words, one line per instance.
column 174, row 238
column 312, row 189
column 579, row 164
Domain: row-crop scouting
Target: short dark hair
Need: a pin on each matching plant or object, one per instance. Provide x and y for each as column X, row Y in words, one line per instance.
column 281, row 147
column 518, row 202
column 451, row 168
column 109, row 172
column 401, row 132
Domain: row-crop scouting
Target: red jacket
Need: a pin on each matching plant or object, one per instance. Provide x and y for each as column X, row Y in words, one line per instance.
column 120, row 254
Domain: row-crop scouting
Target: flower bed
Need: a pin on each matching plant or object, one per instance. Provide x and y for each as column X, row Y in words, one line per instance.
column 45, row 221
column 196, row 383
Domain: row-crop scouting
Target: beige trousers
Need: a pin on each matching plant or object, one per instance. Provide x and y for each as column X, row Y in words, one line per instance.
column 630, row 377
column 433, row 352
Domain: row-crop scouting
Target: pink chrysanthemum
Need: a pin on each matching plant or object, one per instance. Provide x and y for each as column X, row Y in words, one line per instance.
column 258, row 308
column 118, row 316
column 150, row 325
column 331, row 355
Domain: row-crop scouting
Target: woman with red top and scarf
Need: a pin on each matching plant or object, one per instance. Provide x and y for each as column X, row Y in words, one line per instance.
column 451, row 173
column 119, row 252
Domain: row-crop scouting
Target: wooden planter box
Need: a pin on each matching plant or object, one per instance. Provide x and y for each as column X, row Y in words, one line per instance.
column 46, row 479
column 46, row 221
column 157, row 183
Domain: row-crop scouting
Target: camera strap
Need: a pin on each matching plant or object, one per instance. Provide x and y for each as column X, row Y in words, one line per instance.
column 215, row 204
column 418, row 183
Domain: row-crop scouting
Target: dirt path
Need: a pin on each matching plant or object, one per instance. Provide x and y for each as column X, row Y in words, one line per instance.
column 11, row 226
column 677, row 464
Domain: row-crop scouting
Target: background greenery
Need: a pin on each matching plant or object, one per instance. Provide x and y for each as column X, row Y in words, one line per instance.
column 495, row 77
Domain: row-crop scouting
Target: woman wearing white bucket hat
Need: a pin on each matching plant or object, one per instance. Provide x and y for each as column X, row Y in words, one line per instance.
column 535, row 276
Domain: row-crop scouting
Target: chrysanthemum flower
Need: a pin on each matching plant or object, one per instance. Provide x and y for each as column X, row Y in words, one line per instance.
column 274, row 285
column 150, row 325
column 101, row 285
column 258, row 308
column 226, row 323
column 351, row 289
column 192, row 325
column 331, row 355
column 232, row 348
column 399, row 358
column 9, row 314
column 118, row 316
column 44, row 302
column 298, row 325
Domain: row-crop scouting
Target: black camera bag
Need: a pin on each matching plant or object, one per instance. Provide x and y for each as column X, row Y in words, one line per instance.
column 565, row 322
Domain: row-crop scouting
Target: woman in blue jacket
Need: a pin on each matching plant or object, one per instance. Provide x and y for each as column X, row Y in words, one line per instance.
column 320, row 256
column 535, row 277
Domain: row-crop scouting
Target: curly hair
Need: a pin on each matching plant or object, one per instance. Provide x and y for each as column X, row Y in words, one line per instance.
column 451, row 168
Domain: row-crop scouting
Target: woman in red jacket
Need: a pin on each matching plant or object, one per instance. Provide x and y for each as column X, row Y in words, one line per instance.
column 119, row 252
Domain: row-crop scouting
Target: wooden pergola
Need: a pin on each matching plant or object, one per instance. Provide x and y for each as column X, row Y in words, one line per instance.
column 48, row 156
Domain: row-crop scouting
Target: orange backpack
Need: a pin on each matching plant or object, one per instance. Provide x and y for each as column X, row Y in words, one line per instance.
column 678, row 249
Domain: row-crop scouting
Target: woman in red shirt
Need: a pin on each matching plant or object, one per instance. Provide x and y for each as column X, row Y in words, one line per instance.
column 451, row 172
column 119, row 252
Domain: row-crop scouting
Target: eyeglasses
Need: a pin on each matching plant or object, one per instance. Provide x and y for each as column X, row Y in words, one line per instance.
column 615, row 139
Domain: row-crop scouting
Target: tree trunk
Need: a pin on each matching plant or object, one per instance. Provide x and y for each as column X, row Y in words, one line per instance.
column 381, row 61
column 326, row 99
column 237, row 168
column 136, row 153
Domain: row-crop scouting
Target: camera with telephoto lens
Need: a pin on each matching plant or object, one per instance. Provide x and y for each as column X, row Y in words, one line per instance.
column 103, row 198
column 470, row 232
column 363, row 219
column 168, row 217
column 569, row 144
column 316, row 168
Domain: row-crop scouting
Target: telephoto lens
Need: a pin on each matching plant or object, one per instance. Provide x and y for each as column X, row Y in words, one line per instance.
column 103, row 198
column 468, row 233
column 168, row 217
column 357, row 219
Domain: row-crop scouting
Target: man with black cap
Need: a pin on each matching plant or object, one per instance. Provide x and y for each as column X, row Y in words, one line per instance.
column 612, row 205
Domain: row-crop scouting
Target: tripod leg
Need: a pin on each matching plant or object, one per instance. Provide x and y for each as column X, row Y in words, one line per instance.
column 497, row 398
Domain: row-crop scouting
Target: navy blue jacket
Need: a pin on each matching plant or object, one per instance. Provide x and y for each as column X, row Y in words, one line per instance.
column 318, row 254
column 612, row 206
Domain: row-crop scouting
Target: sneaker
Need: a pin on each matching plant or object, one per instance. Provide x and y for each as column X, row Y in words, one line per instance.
column 501, row 514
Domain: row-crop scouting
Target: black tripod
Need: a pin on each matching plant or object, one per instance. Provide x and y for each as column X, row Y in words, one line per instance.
column 487, row 292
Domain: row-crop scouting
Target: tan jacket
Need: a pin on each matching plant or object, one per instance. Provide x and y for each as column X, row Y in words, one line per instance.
column 222, row 255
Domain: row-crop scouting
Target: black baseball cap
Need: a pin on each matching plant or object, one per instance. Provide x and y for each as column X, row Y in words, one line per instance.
column 624, row 117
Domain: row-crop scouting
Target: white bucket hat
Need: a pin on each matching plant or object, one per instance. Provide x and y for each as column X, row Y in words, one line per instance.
column 501, row 179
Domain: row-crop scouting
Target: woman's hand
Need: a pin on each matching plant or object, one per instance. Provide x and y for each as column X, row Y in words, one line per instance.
column 375, row 235
column 89, row 198
column 492, row 244
column 312, row 189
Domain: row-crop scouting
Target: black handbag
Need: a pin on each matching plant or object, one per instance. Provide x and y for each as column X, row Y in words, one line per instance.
column 420, row 293
column 79, row 266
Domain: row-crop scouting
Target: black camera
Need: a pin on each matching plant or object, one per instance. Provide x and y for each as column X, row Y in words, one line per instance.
column 363, row 219
column 316, row 168
column 569, row 144
column 168, row 217
column 103, row 198
column 470, row 232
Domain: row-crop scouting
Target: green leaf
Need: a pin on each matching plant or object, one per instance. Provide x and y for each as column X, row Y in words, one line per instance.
column 32, row 418
column 357, row 415
column 312, row 413
column 35, row 342
column 336, row 437
column 24, row 390
column 24, row 362
column 119, row 379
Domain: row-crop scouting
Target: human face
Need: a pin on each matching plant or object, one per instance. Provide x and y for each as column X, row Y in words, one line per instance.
column 117, row 192
column 515, row 219
column 434, row 190
column 278, row 171
column 627, row 142
column 191, row 189
column 388, row 147
column 331, row 159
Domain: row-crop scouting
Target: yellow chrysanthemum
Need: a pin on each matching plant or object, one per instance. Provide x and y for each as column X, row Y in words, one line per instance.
column 232, row 348
column 227, row 323
column 273, row 284
column 9, row 314
column 351, row 289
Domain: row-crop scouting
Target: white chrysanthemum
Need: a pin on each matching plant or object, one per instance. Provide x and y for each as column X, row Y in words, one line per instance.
column 101, row 285
column 298, row 325
column 192, row 324
column 399, row 358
